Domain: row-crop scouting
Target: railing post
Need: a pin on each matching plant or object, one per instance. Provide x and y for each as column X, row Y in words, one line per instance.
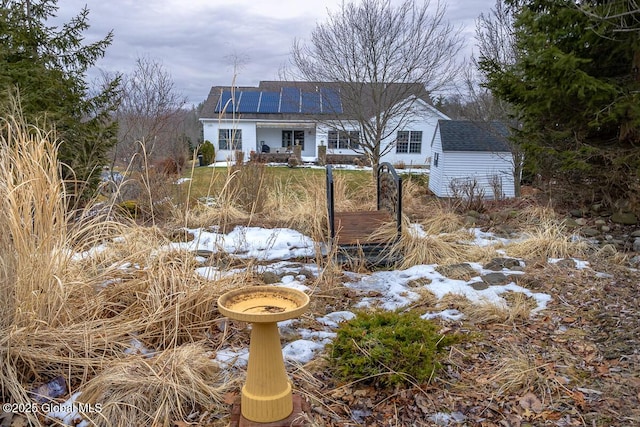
column 386, row 167
column 330, row 201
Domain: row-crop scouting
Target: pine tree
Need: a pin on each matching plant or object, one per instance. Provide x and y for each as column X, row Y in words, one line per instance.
column 575, row 87
column 45, row 67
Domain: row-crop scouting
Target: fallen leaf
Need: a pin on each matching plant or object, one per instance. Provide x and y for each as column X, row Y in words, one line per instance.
column 531, row 402
column 578, row 398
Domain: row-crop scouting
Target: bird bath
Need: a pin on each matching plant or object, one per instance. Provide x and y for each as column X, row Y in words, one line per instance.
column 266, row 396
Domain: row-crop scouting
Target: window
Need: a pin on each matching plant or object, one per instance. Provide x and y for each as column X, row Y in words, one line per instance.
column 436, row 157
column 291, row 138
column 409, row 141
column 344, row 139
column 230, row 139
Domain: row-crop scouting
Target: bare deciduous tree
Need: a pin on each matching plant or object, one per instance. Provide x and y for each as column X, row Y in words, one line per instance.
column 383, row 58
column 623, row 15
column 495, row 38
column 149, row 114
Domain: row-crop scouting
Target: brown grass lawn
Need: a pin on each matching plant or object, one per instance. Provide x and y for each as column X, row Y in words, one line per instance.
column 88, row 321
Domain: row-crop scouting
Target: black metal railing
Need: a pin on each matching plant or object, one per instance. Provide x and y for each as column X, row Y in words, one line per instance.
column 389, row 192
column 330, row 203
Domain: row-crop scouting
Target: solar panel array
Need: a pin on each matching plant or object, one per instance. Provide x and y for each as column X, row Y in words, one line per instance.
column 288, row 100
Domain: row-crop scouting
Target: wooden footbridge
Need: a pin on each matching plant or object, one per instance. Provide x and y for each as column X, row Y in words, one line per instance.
column 355, row 232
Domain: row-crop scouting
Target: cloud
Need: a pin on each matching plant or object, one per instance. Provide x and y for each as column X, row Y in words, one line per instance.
column 198, row 41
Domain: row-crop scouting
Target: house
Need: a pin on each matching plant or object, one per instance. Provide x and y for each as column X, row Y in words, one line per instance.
column 276, row 116
column 471, row 156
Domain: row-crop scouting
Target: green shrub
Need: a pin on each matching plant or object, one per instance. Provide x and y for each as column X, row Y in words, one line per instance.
column 208, row 152
column 388, row 348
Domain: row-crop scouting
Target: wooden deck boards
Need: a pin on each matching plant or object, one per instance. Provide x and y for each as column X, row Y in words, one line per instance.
column 355, row 228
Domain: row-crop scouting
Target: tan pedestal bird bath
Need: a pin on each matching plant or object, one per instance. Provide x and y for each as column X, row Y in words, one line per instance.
column 266, row 395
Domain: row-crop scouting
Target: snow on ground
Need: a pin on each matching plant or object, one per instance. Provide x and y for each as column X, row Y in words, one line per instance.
column 252, row 242
column 387, row 290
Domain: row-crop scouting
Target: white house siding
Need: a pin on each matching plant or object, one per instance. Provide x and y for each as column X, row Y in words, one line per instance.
column 424, row 118
column 210, row 130
column 436, row 171
column 481, row 166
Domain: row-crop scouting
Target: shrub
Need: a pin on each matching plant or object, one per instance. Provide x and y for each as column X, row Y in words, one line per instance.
column 208, row 152
column 388, row 348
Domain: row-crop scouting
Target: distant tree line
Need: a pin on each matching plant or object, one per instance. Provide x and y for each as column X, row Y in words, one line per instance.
column 43, row 68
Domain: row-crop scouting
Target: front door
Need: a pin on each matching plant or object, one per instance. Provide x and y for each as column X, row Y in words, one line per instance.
column 291, row 138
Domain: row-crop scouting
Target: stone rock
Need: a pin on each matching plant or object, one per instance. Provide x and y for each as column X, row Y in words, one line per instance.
column 470, row 220
column 581, row 221
column 497, row 264
column 306, row 273
column 479, row 286
column 457, row 271
column 576, row 213
column 625, row 218
column 636, row 244
column 596, row 207
column 473, row 213
column 605, row 229
column 570, row 222
column 204, row 253
column 590, row 232
column 495, row 279
column 635, row 261
column 269, row 277
column 635, row 233
column 600, row 221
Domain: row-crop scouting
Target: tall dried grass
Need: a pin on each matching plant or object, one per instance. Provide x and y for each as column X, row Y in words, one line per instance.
column 71, row 309
column 155, row 391
column 547, row 239
column 443, row 248
column 33, row 220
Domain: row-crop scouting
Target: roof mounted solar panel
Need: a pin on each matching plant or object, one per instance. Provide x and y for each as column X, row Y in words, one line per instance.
column 331, row 103
column 269, row 103
column 290, row 100
column 310, row 103
column 225, row 104
column 248, row 102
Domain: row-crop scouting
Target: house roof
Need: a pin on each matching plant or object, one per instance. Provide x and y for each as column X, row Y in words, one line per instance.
column 287, row 100
column 465, row 135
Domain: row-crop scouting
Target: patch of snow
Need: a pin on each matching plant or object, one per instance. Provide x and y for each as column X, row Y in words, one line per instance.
column 580, row 265
column 214, row 273
column 252, row 242
column 416, row 230
column 450, row 314
column 67, row 412
column 295, row 285
column 484, row 238
column 393, row 293
column 136, row 347
column 332, row 320
column 182, row 180
column 301, row 351
column 229, row 358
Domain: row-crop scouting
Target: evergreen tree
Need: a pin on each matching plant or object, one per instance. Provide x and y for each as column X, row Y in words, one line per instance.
column 575, row 87
column 46, row 68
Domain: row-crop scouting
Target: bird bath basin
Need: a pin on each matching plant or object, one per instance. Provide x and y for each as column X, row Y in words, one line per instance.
column 266, row 396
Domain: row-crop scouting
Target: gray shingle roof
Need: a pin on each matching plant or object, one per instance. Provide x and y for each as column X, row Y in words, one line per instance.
column 465, row 135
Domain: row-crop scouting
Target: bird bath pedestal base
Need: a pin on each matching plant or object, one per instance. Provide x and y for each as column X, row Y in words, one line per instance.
column 266, row 396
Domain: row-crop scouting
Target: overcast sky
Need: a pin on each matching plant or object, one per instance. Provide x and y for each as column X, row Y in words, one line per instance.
column 196, row 40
